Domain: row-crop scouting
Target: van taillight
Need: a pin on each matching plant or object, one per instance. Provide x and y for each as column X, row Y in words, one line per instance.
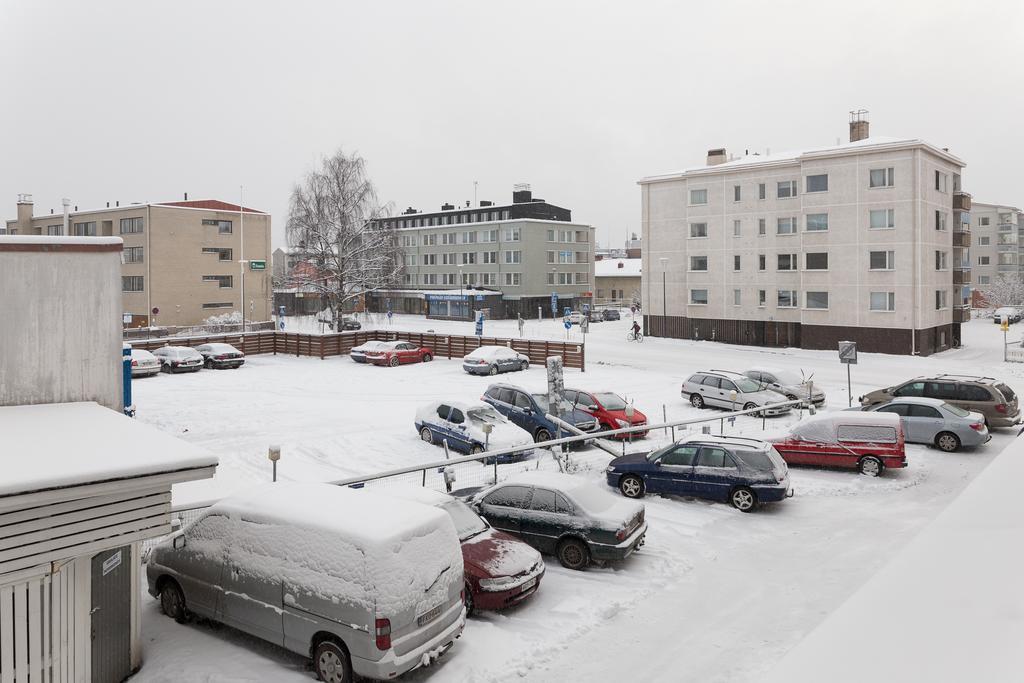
column 383, row 632
column 1001, row 408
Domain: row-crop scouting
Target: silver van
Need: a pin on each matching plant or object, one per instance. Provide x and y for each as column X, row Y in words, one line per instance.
column 358, row 582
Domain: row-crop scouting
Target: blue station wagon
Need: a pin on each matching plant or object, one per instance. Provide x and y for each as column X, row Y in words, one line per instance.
column 528, row 411
column 743, row 472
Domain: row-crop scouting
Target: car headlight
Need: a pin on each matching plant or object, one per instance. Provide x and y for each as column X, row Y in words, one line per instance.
column 621, row 423
column 610, row 469
column 498, row 583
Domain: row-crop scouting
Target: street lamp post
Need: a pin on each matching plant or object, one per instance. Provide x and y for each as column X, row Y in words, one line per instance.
column 664, row 297
column 241, row 277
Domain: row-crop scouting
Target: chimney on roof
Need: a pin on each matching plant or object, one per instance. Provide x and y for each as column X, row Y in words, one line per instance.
column 716, row 156
column 858, row 125
column 117, row 203
column 186, row 196
column 24, row 221
column 108, row 205
column 521, row 193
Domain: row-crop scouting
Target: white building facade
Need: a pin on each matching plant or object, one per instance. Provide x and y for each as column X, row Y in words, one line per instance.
column 995, row 248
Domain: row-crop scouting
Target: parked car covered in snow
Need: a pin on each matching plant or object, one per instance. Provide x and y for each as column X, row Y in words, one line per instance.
column 788, row 383
column 500, row 570
column 358, row 353
column 562, row 515
column 934, row 422
column 221, row 356
column 868, row 442
column 529, row 411
column 609, row 409
column 144, row 363
column 465, row 426
column 362, row 583
column 179, row 359
column 394, row 353
column 741, row 471
column 490, row 360
column 1011, row 314
column 730, row 390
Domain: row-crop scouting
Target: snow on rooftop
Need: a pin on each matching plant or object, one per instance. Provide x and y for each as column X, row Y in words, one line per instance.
column 68, row 444
column 51, row 239
column 617, row 267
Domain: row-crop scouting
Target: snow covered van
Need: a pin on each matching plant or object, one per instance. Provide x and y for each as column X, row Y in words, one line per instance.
column 359, row 582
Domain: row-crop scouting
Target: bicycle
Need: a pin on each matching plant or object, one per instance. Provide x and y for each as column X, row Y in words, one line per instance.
column 634, row 336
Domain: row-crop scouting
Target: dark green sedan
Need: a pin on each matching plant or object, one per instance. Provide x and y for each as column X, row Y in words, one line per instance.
column 562, row 515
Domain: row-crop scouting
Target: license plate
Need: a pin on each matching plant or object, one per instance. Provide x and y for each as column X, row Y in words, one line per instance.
column 430, row 615
column 528, row 585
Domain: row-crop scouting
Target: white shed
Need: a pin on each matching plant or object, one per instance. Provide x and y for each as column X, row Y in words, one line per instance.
column 81, row 487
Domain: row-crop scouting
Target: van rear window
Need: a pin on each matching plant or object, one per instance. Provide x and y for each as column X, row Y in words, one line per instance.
column 866, row 434
column 1007, row 393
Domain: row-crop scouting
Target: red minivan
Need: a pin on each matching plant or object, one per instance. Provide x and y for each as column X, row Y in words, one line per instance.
column 869, row 442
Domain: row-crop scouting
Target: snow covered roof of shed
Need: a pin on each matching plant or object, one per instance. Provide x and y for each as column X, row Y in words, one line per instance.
column 617, row 267
column 54, row 243
column 58, row 445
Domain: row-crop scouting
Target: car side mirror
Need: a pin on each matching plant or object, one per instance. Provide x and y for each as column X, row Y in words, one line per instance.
column 179, row 541
column 591, row 407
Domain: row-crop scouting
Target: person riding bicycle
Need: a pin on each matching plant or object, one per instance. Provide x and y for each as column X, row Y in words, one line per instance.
column 636, row 328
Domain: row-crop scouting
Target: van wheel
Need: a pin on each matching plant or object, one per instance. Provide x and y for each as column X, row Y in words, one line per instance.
column 632, row 487
column 542, row 435
column 172, row 601
column 696, row 400
column 948, row 442
column 743, row 499
column 330, row 661
column 573, row 554
column 426, row 435
column 870, row 465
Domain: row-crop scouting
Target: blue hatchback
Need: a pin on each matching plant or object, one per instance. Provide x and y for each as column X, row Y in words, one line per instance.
column 737, row 470
column 528, row 411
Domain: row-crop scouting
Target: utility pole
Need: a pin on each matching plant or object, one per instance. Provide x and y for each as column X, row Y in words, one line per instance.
column 241, row 256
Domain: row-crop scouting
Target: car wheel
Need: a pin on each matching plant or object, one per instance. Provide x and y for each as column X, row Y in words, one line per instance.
column 426, row 435
column 632, row 487
column 468, row 602
column 165, row 367
column 393, row 362
column 427, row 358
column 476, row 450
column 208, row 364
column 696, row 400
column 331, row 663
column 525, row 365
column 749, row 406
column 870, row 466
column 172, row 601
column 493, row 370
column 542, row 435
column 948, row 442
column 743, row 499
column 573, row 554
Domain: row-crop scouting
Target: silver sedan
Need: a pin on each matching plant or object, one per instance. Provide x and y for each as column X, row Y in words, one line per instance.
column 933, row 421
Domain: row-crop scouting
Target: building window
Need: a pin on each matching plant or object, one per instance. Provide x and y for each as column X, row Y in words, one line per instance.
column 761, row 262
column 219, row 304
column 408, row 240
column 817, row 222
column 131, row 225
column 552, row 235
column 504, row 215
column 581, row 278
column 132, row 283
column 512, row 279
column 430, row 259
column 449, row 238
column 737, row 295
column 817, row 183
column 881, row 260
column 410, row 259
column 816, row 260
column 551, row 256
column 133, row 254
column 941, row 181
column 489, row 235
column 941, row 299
column 565, row 257
column 984, row 279
column 85, row 229
column 698, row 297
column 430, row 278
column 223, row 227
column 698, row 197
column 940, row 260
column 940, row 220
column 787, row 298
column 983, row 220
column 1007, row 259
column 492, row 256
column 761, row 192
column 698, row 229
column 698, row 263
column 881, row 219
column 816, row 300
column 984, row 241
column 567, row 235
column 787, row 262
column 449, row 259
column 737, row 192
column 489, row 279
column 761, row 226
column 430, row 240
column 469, row 237
column 762, row 298
column 53, row 230
column 882, row 177
column 984, row 260
column 223, row 281
column 882, row 301
column 737, row 228
column 786, row 226
column 736, row 262
column 449, row 279
column 513, row 257
column 511, row 234
column 469, row 258
column 409, row 279
column 785, row 189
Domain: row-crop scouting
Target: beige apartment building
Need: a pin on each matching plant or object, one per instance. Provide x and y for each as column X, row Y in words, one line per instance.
column 183, row 261
column 996, row 243
column 866, row 241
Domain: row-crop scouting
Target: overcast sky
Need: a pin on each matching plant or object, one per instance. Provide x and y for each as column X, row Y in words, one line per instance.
column 142, row 101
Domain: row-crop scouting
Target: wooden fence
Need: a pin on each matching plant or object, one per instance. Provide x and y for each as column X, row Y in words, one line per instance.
column 340, row 343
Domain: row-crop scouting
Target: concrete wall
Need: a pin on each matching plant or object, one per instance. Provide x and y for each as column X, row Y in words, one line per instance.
column 60, row 335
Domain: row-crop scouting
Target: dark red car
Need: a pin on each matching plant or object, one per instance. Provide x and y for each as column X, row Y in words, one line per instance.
column 500, row 570
column 399, row 353
column 868, row 442
column 610, row 410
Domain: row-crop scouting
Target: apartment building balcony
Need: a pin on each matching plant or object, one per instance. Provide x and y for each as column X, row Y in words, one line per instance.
column 961, row 276
column 961, row 201
column 961, row 314
column 962, row 238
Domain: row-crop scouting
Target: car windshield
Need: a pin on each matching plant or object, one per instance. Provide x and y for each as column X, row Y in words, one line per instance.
column 467, row 523
column 747, row 385
column 611, row 401
column 788, row 378
column 485, row 415
column 542, row 400
column 959, row 412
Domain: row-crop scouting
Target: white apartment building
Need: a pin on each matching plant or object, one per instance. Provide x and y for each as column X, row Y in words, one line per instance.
column 995, row 247
column 865, row 241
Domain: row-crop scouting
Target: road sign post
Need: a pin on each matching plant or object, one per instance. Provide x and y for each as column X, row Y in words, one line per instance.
column 848, row 357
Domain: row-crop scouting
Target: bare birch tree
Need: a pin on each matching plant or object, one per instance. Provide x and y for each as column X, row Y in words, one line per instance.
column 1005, row 289
column 334, row 223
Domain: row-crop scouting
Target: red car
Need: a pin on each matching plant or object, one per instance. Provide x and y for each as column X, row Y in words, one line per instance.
column 609, row 409
column 869, row 442
column 399, row 353
column 500, row 570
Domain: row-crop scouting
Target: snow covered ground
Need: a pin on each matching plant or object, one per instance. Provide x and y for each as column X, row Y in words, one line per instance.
column 714, row 594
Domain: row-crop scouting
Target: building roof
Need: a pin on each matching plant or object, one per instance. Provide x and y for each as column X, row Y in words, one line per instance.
column 753, row 161
column 48, row 243
column 617, row 267
column 212, row 204
column 71, row 444
column 199, row 204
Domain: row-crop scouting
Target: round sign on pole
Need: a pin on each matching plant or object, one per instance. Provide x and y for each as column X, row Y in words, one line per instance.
column 155, row 310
